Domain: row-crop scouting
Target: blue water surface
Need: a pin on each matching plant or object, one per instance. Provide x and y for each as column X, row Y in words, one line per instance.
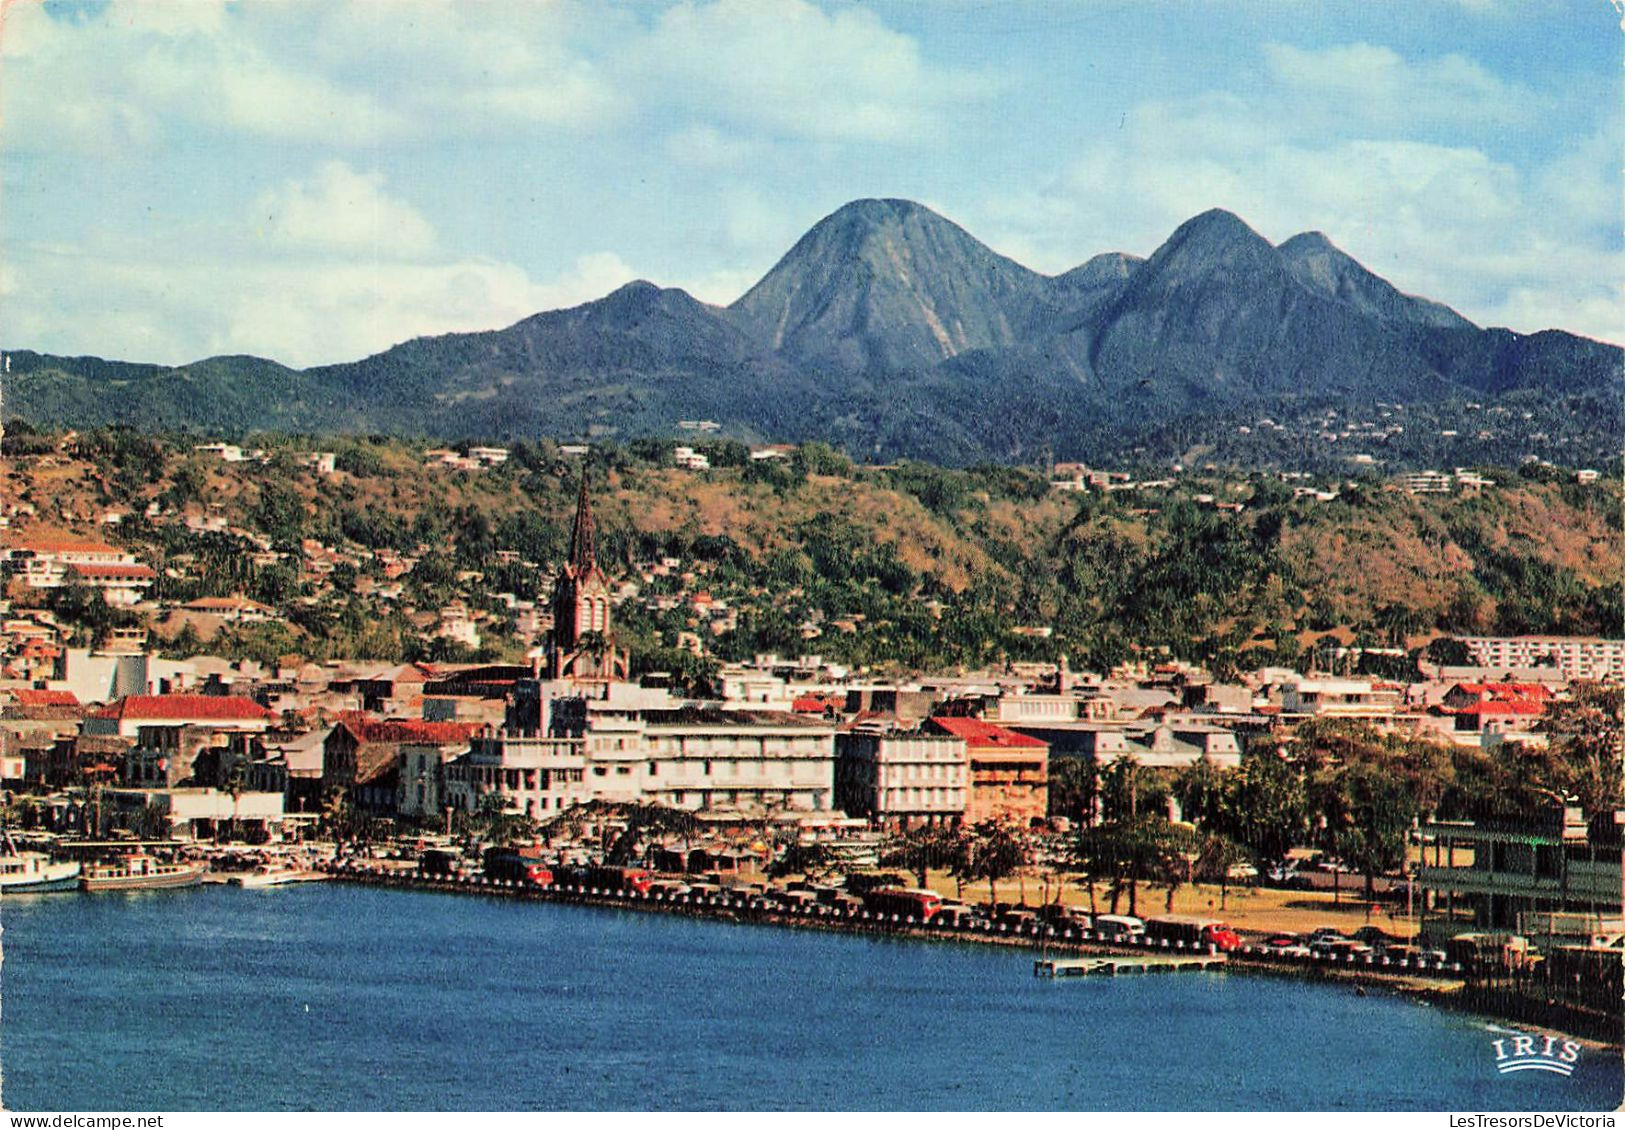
column 334, row 997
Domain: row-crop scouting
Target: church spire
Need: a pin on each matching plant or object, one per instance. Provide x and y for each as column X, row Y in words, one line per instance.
column 583, row 550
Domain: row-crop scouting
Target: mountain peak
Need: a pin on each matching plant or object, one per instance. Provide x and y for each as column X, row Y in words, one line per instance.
column 879, row 209
column 1218, row 222
column 1308, row 242
column 1215, row 240
column 1319, row 264
column 888, row 284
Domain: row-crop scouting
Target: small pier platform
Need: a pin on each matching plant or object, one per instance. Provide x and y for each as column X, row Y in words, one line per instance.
column 1112, row 966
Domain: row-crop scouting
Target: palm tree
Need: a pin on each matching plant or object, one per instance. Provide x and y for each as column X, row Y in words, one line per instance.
column 1217, row 855
column 236, row 783
column 998, row 851
column 338, row 815
column 917, row 850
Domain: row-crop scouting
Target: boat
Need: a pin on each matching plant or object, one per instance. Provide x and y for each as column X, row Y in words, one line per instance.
column 33, row 872
column 141, row 873
column 270, row 876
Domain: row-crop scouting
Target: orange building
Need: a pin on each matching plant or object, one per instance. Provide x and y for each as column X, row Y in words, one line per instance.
column 1009, row 772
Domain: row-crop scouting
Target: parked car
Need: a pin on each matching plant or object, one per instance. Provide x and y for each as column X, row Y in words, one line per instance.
column 1323, row 939
column 960, row 915
column 1018, row 918
column 1377, row 938
column 1063, row 917
column 1290, row 878
column 1118, row 925
column 1286, row 945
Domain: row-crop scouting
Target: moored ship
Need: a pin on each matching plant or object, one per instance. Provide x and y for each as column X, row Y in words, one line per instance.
column 33, row 872
column 275, row 876
column 141, row 873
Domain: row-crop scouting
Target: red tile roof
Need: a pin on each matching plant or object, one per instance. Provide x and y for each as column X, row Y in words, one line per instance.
column 985, row 735
column 27, row 697
column 814, row 703
column 59, row 544
column 1503, row 706
column 1504, row 690
column 186, row 708
column 368, row 729
column 113, row 572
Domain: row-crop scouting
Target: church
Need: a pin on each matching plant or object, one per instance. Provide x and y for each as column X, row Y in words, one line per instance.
column 582, row 644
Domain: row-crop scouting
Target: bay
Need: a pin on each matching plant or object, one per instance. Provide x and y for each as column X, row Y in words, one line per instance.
column 334, row 997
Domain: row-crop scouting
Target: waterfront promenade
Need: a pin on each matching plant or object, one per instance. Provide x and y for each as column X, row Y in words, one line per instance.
column 1413, row 973
column 1439, row 983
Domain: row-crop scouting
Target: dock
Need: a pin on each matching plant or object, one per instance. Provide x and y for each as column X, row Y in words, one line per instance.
column 1112, row 966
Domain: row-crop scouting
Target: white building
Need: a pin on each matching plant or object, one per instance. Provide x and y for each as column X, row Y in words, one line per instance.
column 902, row 779
column 49, row 562
column 536, row 777
column 1341, row 698
column 1577, row 657
column 623, row 743
column 688, row 457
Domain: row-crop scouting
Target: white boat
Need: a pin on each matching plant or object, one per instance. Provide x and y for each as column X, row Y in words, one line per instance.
column 33, row 872
column 274, row 877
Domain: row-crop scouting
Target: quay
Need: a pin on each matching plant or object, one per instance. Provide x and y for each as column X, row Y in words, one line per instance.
column 1112, row 966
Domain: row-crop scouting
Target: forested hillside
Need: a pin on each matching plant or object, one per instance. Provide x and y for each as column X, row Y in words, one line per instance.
column 905, row 565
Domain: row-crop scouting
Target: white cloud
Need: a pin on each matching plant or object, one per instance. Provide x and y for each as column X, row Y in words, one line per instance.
column 1371, row 83
column 706, row 147
column 791, row 69
column 341, row 209
column 137, row 72
column 323, row 268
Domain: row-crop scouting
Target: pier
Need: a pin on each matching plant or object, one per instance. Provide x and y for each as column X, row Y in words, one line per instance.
column 1112, row 966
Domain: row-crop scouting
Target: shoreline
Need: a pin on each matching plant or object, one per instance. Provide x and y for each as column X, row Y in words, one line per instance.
column 1425, row 991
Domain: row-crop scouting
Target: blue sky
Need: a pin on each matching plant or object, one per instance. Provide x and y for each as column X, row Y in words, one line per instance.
column 315, row 182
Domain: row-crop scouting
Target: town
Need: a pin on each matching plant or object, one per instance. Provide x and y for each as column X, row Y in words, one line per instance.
column 1457, row 817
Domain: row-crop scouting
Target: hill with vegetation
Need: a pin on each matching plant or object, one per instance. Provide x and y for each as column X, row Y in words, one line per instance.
column 902, row 566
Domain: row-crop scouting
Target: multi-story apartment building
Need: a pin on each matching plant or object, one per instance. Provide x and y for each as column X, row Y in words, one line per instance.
column 1577, row 657
column 902, row 779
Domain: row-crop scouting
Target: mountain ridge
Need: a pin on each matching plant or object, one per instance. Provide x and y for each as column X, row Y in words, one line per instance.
column 890, row 329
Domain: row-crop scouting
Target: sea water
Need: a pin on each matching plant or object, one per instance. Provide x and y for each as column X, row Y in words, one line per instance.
column 335, row 997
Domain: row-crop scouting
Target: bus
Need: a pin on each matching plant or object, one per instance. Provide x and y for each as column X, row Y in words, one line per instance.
column 508, row 865
column 1194, row 931
column 620, row 879
column 905, row 902
column 442, row 862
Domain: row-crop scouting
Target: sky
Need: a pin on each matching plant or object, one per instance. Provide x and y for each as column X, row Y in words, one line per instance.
column 314, row 182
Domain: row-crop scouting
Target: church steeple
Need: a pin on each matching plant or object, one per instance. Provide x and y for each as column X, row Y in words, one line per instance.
column 582, row 644
column 583, row 542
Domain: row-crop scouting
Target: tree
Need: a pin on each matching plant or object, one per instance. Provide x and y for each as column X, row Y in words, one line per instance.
column 1074, row 787
column 1587, row 736
column 1216, row 856
column 235, row 782
column 1130, row 850
column 1270, row 812
column 996, row 852
column 918, row 850
column 338, row 816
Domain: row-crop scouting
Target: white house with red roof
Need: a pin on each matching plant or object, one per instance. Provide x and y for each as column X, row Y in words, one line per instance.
column 1481, row 707
column 128, row 715
column 50, row 561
